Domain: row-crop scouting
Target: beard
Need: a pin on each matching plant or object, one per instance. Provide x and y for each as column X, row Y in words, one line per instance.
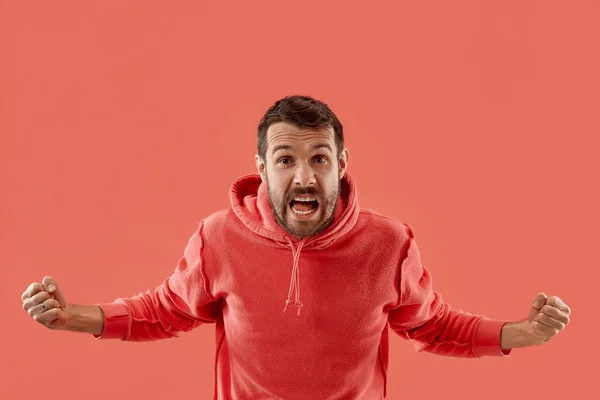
column 327, row 207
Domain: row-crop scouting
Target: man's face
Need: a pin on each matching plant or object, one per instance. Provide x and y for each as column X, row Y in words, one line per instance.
column 303, row 174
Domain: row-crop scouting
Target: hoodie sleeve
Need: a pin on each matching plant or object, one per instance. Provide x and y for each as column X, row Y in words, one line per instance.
column 181, row 303
column 430, row 324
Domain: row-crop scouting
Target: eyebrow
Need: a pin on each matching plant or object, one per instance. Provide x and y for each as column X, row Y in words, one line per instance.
column 315, row 147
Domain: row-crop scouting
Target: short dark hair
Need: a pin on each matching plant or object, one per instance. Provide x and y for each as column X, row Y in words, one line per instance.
column 302, row 112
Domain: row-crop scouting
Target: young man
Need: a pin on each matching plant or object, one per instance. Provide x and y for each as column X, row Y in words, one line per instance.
column 295, row 229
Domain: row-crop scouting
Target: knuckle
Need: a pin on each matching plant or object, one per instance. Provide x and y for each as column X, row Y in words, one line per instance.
column 542, row 317
column 41, row 318
column 40, row 296
column 552, row 311
column 31, row 290
column 44, row 295
column 546, row 308
column 50, row 316
column 36, row 287
column 562, row 325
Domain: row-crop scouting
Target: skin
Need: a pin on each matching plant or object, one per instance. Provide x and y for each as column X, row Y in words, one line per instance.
column 302, row 162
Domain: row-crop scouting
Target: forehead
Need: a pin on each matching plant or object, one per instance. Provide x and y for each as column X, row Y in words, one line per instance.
column 282, row 132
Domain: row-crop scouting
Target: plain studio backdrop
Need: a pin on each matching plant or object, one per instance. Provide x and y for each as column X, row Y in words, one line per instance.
column 124, row 123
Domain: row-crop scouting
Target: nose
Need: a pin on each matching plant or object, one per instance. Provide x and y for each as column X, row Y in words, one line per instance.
column 305, row 176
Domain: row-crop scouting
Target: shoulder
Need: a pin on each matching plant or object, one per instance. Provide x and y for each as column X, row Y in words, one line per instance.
column 218, row 221
column 383, row 225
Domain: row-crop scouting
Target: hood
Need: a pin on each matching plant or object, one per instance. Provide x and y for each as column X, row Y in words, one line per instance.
column 250, row 202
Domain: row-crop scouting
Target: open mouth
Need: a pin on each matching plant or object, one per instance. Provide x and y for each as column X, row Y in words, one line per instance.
column 304, row 206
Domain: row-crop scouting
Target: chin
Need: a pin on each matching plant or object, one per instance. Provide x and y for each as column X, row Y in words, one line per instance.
column 306, row 230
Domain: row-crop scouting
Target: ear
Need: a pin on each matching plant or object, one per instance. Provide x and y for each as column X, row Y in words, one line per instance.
column 260, row 167
column 343, row 163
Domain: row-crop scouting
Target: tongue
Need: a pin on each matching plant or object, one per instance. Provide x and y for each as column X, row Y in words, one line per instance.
column 303, row 205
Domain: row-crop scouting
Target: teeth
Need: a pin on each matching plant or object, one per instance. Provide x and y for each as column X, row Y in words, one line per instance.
column 305, row 199
column 302, row 212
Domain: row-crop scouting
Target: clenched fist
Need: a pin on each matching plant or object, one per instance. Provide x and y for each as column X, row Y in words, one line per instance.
column 46, row 303
column 548, row 316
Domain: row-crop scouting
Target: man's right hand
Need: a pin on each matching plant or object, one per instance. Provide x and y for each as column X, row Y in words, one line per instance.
column 46, row 303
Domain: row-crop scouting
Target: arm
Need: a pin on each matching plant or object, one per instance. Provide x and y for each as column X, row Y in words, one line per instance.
column 422, row 316
column 181, row 303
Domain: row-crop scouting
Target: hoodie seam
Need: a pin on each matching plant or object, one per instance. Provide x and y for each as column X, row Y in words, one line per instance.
column 405, row 247
column 390, row 219
column 404, row 252
column 203, row 274
column 452, row 342
column 383, row 369
column 218, row 350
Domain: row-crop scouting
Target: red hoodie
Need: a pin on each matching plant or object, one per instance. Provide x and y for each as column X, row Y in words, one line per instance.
column 301, row 319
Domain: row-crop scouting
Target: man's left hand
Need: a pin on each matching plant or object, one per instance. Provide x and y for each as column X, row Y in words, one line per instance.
column 547, row 317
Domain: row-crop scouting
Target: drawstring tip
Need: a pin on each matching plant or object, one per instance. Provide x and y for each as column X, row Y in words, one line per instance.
column 288, row 303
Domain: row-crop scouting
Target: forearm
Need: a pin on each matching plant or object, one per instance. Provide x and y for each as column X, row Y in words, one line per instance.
column 449, row 332
column 88, row 319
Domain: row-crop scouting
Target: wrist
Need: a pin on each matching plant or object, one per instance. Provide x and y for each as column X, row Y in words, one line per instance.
column 514, row 334
column 88, row 319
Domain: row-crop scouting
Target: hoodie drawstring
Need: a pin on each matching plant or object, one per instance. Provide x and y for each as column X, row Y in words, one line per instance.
column 295, row 279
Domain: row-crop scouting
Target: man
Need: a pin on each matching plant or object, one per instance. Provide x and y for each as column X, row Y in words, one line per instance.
column 296, row 229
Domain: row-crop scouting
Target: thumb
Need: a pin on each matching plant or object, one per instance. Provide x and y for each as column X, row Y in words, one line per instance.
column 538, row 303
column 52, row 287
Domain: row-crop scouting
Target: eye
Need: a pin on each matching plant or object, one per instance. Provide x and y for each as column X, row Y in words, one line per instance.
column 321, row 159
column 284, row 161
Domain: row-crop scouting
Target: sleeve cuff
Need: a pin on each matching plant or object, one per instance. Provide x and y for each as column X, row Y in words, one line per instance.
column 487, row 340
column 116, row 321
